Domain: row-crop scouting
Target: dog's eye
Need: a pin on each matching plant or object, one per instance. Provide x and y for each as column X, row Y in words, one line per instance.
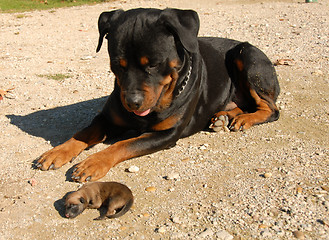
column 154, row 66
column 151, row 68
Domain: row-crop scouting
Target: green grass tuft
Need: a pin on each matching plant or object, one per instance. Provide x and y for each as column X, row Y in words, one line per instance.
column 58, row 76
column 30, row 5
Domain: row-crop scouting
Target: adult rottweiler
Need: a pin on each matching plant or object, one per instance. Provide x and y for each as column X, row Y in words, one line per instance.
column 169, row 84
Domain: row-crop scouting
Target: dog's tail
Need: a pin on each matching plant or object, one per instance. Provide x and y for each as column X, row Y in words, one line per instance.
column 123, row 210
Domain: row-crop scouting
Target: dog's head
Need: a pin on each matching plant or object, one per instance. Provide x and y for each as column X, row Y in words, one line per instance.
column 75, row 204
column 147, row 49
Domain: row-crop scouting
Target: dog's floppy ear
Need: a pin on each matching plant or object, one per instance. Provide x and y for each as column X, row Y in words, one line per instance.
column 184, row 24
column 104, row 23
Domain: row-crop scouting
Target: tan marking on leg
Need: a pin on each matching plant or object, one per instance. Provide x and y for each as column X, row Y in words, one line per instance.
column 97, row 165
column 65, row 152
column 263, row 112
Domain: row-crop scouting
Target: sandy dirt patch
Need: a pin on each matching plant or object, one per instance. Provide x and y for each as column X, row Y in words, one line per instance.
column 220, row 190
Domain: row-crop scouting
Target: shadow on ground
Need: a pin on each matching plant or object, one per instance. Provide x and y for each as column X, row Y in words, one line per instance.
column 60, row 205
column 58, row 124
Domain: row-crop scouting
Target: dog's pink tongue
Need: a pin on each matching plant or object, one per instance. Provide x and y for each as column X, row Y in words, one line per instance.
column 142, row 114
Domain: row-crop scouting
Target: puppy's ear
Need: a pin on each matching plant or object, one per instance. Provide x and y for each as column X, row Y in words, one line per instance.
column 184, row 24
column 104, row 24
column 82, row 200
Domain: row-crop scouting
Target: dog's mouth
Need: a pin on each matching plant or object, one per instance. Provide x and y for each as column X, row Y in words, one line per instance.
column 142, row 113
column 69, row 216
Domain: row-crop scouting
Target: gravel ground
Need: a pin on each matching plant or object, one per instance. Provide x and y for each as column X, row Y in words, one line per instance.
column 270, row 182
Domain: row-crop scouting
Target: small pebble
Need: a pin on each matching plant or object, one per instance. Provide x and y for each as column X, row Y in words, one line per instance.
column 326, row 188
column 176, row 220
column 133, row 169
column 267, row 175
column 150, row 189
column 86, row 58
column 299, row 189
column 32, row 182
column 146, row 215
column 223, row 235
column 207, row 232
column 263, row 226
column 298, row 235
column 172, row 176
column 204, row 146
column 161, row 230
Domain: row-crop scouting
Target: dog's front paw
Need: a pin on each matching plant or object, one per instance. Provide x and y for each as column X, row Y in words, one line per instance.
column 91, row 169
column 60, row 155
column 242, row 122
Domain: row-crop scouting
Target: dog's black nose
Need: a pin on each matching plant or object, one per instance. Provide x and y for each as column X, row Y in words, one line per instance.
column 134, row 100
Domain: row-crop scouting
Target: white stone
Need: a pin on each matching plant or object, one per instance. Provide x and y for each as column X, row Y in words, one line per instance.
column 176, row 220
column 206, row 233
column 133, row 169
column 223, row 235
column 172, row 176
column 161, row 230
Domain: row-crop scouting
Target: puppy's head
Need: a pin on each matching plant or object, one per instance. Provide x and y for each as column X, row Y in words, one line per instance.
column 147, row 49
column 75, row 204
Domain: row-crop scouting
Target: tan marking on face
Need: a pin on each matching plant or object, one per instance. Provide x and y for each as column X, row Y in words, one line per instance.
column 144, row 60
column 123, row 62
column 239, row 64
column 174, row 63
column 170, row 83
column 166, row 80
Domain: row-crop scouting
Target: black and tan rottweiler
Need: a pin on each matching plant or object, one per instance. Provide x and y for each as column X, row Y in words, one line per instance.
column 169, row 84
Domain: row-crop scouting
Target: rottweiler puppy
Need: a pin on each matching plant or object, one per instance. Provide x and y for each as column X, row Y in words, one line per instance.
column 169, row 84
column 116, row 197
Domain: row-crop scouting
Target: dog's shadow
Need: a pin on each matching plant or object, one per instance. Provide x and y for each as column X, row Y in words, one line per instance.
column 58, row 124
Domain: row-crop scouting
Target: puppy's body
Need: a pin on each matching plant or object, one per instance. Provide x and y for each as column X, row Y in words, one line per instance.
column 112, row 195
